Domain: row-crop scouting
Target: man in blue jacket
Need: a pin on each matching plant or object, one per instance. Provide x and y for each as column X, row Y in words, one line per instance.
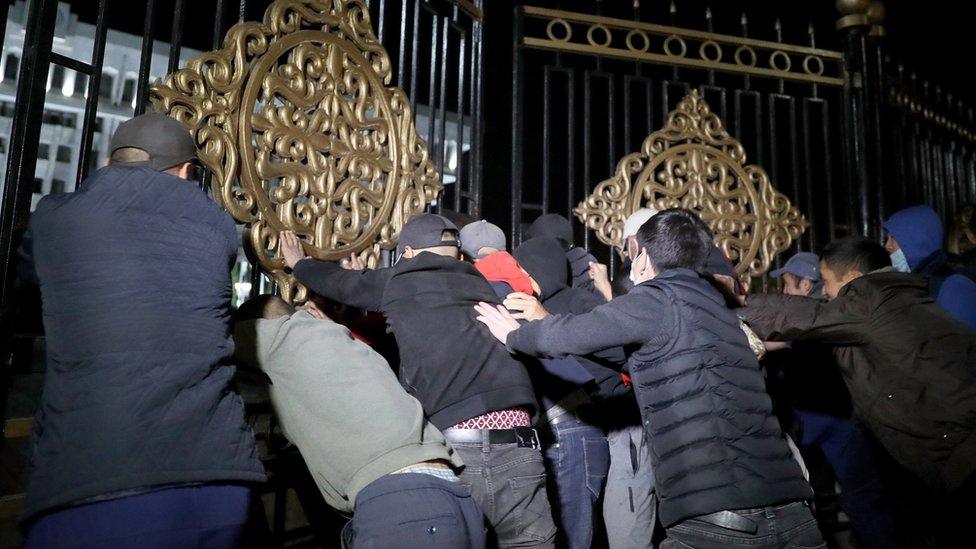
column 139, row 440
column 915, row 237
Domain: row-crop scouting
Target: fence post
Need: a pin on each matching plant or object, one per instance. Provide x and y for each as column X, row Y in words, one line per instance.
column 25, row 132
column 862, row 34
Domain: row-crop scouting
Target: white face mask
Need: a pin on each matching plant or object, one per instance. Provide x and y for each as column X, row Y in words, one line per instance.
column 900, row 262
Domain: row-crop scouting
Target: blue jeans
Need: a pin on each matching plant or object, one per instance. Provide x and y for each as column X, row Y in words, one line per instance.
column 578, row 461
column 193, row 516
column 788, row 526
column 847, row 450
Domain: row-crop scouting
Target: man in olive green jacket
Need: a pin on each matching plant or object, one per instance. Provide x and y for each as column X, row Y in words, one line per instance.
column 365, row 440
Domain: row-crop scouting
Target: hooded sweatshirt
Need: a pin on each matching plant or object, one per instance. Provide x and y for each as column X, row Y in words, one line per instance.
column 919, row 233
column 558, row 227
column 502, row 267
column 322, row 379
column 543, row 258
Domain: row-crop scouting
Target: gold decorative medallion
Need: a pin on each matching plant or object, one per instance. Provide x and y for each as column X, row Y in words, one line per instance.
column 296, row 118
column 694, row 163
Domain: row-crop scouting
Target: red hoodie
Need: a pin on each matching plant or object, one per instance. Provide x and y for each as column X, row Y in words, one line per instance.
column 502, row 267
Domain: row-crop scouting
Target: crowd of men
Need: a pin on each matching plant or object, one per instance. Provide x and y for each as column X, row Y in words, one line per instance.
column 528, row 401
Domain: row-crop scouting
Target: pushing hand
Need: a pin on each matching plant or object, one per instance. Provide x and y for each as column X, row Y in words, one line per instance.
column 499, row 321
column 291, row 248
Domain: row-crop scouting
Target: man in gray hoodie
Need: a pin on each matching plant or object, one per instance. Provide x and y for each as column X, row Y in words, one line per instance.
column 364, row 439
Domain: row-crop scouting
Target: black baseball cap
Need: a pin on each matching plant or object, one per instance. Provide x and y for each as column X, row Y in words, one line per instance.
column 426, row 231
column 166, row 140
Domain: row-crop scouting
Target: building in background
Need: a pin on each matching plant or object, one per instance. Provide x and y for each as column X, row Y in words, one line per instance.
column 58, row 153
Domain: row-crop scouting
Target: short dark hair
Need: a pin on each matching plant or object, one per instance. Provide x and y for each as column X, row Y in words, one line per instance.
column 124, row 155
column 676, row 238
column 854, row 253
column 263, row 306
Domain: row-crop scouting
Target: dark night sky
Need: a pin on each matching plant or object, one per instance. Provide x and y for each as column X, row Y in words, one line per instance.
column 931, row 34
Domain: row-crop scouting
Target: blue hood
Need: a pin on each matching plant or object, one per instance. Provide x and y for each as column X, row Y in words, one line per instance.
column 918, row 231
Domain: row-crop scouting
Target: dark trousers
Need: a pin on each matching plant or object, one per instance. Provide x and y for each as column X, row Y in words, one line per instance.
column 415, row 510
column 789, row 526
column 577, row 462
column 509, row 484
column 211, row 516
column 848, row 451
column 925, row 518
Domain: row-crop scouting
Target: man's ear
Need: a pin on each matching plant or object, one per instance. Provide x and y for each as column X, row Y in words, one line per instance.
column 806, row 285
column 851, row 275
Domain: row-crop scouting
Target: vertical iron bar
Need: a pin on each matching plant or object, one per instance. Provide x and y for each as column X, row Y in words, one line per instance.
column 91, row 102
column 220, row 24
column 517, row 130
column 25, row 132
column 176, row 39
column 242, row 11
column 145, row 61
column 546, row 132
column 459, row 124
column 442, row 105
column 477, row 136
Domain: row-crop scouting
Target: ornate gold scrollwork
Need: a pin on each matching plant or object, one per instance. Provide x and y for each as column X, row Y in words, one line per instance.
column 297, row 121
column 694, row 163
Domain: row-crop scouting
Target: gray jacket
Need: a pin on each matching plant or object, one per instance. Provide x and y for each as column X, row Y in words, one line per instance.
column 339, row 403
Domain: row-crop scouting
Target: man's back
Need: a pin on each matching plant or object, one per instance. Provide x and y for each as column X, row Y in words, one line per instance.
column 714, row 442
column 328, row 387
column 133, row 270
column 448, row 360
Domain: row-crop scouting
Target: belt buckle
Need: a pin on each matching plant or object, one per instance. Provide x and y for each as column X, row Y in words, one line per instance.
column 526, row 437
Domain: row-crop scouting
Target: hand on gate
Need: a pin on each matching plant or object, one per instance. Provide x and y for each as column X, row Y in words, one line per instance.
column 354, row 263
column 528, row 307
column 601, row 280
column 291, row 248
column 499, row 321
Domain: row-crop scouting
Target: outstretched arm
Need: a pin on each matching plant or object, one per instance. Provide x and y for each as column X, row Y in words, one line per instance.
column 357, row 288
column 614, row 324
column 842, row 321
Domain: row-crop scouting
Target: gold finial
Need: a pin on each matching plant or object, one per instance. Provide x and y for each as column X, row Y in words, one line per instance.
column 853, row 13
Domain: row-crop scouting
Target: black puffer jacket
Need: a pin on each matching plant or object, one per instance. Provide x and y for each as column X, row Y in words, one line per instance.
column 134, row 270
column 448, row 360
column 714, row 442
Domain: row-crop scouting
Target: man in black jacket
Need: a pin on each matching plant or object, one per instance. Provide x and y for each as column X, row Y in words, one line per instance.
column 909, row 367
column 724, row 471
column 471, row 388
column 139, row 439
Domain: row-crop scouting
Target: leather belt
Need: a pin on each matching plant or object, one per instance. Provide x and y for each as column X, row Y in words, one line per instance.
column 525, row 437
column 730, row 520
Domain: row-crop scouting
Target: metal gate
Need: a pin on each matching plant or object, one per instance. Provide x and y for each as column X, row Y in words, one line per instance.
column 846, row 136
column 66, row 101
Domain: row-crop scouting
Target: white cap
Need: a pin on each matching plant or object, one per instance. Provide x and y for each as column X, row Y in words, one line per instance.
column 636, row 220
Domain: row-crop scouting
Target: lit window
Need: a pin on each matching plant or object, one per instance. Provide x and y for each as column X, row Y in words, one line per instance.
column 57, row 78
column 10, row 70
column 129, row 92
column 106, row 86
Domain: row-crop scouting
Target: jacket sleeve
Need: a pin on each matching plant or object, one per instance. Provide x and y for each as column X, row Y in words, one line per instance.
column 362, row 289
column 843, row 321
column 620, row 322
